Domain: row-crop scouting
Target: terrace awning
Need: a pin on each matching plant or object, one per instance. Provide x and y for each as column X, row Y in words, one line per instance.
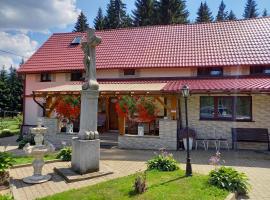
column 109, row 87
column 196, row 85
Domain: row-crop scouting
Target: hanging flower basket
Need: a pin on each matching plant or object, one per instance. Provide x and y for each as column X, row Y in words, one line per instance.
column 68, row 108
column 138, row 109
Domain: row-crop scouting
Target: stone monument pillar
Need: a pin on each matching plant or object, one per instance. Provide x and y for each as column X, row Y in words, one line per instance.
column 86, row 147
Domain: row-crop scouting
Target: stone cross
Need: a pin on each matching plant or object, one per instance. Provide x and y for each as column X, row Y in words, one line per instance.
column 89, row 49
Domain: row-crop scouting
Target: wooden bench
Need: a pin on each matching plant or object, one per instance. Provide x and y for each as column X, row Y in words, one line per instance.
column 259, row 135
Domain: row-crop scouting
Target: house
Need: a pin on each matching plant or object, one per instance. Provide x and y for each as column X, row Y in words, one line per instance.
column 225, row 64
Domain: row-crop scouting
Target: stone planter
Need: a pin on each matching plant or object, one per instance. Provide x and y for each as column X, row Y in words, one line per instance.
column 140, row 130
column 4, row 178
column 85, row 155
column 190, row 143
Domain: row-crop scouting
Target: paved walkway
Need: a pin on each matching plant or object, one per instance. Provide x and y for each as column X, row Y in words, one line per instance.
column 124, row 162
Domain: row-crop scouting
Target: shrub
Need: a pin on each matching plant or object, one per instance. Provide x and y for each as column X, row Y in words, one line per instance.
column 140, row 183
column 6, row 161
column 229, row 179
column 19, row 119
column 6, row 133
column 26, row 139
column 65, row 154
column 6, row 197
column 3, row 125
column 163, row 162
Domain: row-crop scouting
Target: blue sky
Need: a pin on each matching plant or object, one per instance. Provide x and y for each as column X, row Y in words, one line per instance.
column 31, row 22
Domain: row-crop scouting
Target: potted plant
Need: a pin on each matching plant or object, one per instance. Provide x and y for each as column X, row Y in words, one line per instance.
column 68, row 109
column 6, row 161
column 184, row 134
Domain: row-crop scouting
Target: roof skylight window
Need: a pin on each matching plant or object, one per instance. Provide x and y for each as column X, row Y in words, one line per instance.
column 77, row 40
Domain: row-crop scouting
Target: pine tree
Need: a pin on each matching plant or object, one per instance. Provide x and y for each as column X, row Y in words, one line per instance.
column 231, row 16
column 99, row 20
column 204, row 13
column 265, row 13
column 143, row 14
column 222, row 13
column 15, row 90
column 116, row 15
column 251, row 10
column 4, row 90
column 173, row 12
column 81, row 24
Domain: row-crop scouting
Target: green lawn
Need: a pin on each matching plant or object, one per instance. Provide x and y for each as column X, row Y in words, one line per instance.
column 9, row 123
column 19, row 160
column 161, row 186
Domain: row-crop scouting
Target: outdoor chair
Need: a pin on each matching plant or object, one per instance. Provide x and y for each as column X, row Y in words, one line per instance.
column 202, row 141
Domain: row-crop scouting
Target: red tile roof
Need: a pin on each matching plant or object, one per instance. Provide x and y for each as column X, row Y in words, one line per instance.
column 231, row 43
column 226, row 84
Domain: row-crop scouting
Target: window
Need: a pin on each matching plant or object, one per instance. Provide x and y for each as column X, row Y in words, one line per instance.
column 76, row 76
column 214, row 71
column 260, row 70
column 45, row 77
column 129, row 72
column 225, row 108
column 76, row 40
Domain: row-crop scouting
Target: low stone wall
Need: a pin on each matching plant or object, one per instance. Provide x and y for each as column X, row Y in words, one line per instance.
column 167, row 138
column 60, row 139
column 222, row 129
column 51, row 124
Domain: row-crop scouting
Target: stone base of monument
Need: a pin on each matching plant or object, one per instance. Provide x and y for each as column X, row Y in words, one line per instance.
column 85, row 155
column 71, row 176
column 37, row 179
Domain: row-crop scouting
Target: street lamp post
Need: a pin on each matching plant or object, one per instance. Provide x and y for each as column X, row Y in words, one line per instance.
column 185, row 93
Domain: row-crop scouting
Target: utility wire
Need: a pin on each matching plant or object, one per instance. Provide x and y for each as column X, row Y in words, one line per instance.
column 8, row 52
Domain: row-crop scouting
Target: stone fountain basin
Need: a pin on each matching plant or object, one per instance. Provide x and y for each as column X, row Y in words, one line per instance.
column 38, row 130
column 37, row 150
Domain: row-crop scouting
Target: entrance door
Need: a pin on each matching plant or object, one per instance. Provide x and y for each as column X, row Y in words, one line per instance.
column 113, row 118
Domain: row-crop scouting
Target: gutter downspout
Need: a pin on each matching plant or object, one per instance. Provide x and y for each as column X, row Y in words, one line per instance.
column 34, row 98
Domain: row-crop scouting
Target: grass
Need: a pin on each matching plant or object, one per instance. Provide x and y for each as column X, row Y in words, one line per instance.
column 9, row 123
column 161, row 185
column 19, row 160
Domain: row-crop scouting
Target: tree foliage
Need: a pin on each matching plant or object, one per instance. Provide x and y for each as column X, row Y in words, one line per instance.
column 116, row 16
column 232, row 16
column 99, row 21
column 143, row 14
column 11, row 89
column 251, row 10
column 172, row 12
column 222, row 13
column 204, row 14
column 81, row 24
column 265, row 13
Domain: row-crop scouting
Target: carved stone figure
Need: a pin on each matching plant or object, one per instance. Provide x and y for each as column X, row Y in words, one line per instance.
column 89, row 49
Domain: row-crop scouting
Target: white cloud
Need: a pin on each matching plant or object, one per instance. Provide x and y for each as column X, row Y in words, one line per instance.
column 6, row 61
column 19, row 44
column 37, row 15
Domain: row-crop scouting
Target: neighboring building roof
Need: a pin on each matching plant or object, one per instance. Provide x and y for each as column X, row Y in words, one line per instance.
column 220, row 85
column 230, row 43
column 195, row 85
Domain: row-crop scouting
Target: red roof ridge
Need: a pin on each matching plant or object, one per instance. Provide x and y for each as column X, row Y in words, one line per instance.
column 166, row 25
